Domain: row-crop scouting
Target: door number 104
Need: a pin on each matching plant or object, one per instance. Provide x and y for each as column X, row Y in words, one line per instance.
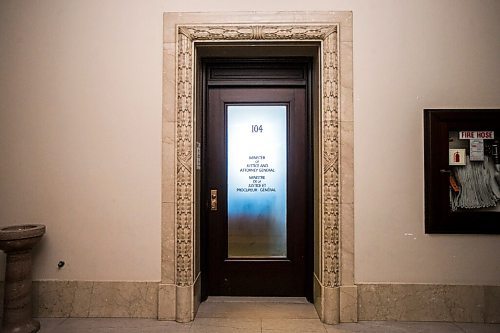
column 256, row 128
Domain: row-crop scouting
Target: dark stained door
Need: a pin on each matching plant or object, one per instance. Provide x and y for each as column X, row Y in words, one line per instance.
column 257, row 176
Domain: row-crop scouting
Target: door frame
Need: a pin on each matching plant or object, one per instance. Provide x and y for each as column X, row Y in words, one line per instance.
column 335, row 294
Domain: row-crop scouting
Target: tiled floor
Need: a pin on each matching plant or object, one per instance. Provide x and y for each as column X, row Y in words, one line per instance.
column 224, row 315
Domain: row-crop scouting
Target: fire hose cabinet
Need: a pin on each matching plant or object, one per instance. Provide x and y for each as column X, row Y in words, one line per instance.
column 462, row 171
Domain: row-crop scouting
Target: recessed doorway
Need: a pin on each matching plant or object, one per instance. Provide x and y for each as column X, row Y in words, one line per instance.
column 188, row 37
column 257, row 221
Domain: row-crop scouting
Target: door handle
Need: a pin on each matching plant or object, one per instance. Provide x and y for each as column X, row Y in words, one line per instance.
column 213, row 200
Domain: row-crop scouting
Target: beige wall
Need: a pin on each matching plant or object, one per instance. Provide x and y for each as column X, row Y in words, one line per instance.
column 80, row 130
column 80, row 134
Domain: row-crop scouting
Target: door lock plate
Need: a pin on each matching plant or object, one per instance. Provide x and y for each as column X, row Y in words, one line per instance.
column 213, row 200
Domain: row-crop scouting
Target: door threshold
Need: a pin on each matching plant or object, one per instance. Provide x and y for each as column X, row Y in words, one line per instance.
column 250, row 299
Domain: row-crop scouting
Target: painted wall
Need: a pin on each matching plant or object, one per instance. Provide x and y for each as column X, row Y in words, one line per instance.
column 80, row 129
column 80, row 134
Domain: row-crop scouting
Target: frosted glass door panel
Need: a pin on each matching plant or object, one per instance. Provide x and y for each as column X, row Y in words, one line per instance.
column 257, row 177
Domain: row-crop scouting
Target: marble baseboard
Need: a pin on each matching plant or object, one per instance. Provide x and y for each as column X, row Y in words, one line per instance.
column 184, row 304
column 179, row 303
column 187, row 301
column 326, row 302
column 331, row 305
column 399, row 302
column 492, row 304
column 95, row 299
column 424, row 302
column 166, row 301
column 348, row 304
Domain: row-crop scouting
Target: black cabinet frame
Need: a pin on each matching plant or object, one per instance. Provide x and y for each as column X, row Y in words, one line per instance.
column 439, row 218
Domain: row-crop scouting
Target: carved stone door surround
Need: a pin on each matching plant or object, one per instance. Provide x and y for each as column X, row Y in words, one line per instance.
column 334, row 290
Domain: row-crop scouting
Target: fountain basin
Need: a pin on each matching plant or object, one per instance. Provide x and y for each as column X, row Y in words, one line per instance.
column 20, row 237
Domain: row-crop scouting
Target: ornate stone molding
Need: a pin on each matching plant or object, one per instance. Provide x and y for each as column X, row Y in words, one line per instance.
column 257, row 32
column 184, row 160
column 187, row 35
column 329, row 186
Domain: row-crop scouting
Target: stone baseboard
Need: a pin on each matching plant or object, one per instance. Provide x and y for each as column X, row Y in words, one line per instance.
column 426, row 302
column 95, row 299
column 348, row 304
column 337, row 304
column 399, row 302
column 166, row 301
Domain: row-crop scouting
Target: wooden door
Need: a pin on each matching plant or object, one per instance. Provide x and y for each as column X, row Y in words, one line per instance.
column 257, row 175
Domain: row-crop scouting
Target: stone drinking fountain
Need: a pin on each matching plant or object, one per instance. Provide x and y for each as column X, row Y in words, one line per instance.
column 17, row 242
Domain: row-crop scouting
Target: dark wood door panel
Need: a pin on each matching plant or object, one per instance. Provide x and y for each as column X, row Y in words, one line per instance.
column 258, row 276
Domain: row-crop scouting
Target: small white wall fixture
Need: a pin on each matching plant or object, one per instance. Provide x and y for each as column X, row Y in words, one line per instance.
column 334, row 289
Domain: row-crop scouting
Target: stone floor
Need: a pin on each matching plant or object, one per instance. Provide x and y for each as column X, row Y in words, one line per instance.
column 224, row 315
